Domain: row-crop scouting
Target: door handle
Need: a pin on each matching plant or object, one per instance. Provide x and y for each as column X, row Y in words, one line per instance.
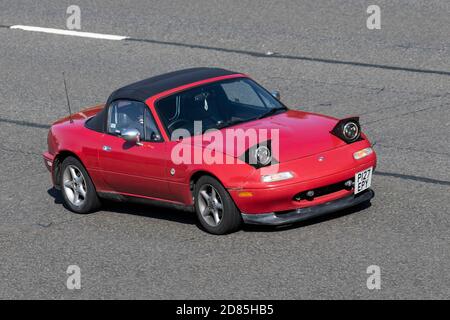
column 106, row 148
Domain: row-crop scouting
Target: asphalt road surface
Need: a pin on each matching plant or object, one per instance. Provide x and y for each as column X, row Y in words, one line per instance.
column 326, row 60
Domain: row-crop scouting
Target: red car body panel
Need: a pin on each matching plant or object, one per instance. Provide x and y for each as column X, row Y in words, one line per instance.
column 143, row 171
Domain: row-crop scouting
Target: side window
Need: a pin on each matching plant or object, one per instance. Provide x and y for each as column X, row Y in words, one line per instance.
column 169, row 108
column 124, row 114
column 151, row 129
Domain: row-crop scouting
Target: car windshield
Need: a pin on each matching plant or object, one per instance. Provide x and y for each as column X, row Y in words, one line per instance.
column 217, row 105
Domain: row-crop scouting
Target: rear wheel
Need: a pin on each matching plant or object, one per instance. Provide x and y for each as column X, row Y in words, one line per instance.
column 78, row 191
column 215, row 208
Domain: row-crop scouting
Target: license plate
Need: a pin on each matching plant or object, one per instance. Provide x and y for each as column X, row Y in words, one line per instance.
column 363, row 180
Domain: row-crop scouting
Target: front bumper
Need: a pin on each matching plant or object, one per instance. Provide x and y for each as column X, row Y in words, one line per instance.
column 302, row 214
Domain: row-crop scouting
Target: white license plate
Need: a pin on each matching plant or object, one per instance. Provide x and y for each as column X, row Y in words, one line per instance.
column 363, row 180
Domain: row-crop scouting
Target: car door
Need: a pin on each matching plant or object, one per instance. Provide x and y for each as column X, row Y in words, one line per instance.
column 127, row 167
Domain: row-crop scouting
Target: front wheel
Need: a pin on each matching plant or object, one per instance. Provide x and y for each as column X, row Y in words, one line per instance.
column 77, row 188
column 215, row 208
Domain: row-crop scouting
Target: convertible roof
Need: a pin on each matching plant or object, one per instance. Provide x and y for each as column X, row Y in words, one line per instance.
column 146, row 88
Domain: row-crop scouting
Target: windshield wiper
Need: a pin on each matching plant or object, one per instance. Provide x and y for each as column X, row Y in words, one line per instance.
column 237, row 121
column 222, row 124
column 270, row 112
column 231, row 123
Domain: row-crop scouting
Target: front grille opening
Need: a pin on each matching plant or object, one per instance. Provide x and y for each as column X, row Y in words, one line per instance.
column 310, row 195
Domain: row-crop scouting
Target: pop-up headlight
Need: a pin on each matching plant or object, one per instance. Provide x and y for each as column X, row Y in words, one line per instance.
column 348, row 129
column 259, row 155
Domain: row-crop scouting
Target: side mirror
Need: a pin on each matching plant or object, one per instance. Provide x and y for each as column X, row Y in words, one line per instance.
column 131, row 135
column 276, row 94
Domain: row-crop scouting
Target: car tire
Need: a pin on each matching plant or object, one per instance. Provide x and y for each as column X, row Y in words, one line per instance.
column 78, row 191
column 221, row 215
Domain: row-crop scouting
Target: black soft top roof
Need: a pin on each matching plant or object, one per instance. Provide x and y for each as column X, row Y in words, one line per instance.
column 144, row 89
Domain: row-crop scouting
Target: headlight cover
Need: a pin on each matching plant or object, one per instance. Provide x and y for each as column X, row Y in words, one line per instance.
column 259, row 155
column 348, row 129
column 263, row 155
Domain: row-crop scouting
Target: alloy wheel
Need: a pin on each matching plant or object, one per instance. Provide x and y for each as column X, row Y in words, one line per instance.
column 74, row 185
column 210, row 205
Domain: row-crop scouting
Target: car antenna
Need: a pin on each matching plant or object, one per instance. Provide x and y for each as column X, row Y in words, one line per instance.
column 67, row 97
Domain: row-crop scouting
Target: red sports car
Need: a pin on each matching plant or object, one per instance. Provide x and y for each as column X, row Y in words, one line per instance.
column 215, row 142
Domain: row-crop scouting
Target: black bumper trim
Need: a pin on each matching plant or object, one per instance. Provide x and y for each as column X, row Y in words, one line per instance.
column 302, row 214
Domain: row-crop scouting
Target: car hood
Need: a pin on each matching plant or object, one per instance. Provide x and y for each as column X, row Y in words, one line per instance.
column 301, row 134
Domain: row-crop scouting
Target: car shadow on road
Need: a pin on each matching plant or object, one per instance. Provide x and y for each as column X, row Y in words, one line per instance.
column 327, row 217
column 138, row 209
column 56, row 195
column 185, row 217
column 150, row 211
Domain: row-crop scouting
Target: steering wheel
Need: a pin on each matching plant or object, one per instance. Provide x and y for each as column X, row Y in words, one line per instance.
column 177, row 124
